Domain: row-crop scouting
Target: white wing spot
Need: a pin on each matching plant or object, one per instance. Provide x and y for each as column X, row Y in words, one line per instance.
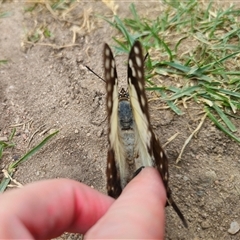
column 107, row 76
column 109, row 88
column 161, row 154
column 112, row 72
column 161, row 166
column 113, row 64
column 136, row 50
column 111, row 176
column 166, row 176
column 138, row 61
column 112, row 188
column 139, row 74
column 133, row 72
column 140, row 86
column 130, row 63
column 143, row 101
column 107, row 52
column 149, row 136
column 107, row 63
column 109, row 107
column 109, row 164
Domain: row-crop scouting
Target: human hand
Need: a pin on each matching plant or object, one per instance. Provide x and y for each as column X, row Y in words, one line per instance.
column 46, row 209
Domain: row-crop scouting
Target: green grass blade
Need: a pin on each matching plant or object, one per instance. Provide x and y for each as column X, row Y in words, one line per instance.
column 178, row 66
column 230, row 93
column 12, row 134
column 228, row 57
column 160, row 41
column 123, row 29
column 4, row 145
column 5, row 14
column 221, row 127
column 1, row 150
column 3, row 61
column 4, row 183
column 224, row 117
column 134, row 13
column 186, row 91
column 170, row 103
column 32, row 151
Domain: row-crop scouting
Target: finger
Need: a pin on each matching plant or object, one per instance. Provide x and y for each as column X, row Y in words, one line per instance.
column 138, row 213
column 48, row 208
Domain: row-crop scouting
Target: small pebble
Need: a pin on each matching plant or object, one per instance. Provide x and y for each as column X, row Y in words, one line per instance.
column 234, row 228
column 209, row 177
column 185, row 178
column 205, row 225
column 15, row 157
column 100, row 132
column 52, row 130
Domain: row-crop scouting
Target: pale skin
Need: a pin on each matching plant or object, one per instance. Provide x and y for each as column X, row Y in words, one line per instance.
column 46, row 209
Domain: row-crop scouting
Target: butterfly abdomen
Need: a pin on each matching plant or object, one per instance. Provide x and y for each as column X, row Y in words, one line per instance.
column 127, row 137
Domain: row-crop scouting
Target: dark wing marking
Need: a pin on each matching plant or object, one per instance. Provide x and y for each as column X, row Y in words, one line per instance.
column 114, row 188
column 161, row 161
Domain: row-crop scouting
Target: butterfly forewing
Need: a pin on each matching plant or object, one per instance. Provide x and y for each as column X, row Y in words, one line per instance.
column 149, row 147
column 113, row 169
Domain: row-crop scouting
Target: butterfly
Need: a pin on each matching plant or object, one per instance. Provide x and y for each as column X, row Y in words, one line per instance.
column 132, row 142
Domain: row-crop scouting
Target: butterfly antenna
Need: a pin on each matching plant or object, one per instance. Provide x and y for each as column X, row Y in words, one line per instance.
column 145, row 56
column 94, row 73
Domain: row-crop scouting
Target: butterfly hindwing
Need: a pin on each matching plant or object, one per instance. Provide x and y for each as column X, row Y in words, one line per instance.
column 114, row 188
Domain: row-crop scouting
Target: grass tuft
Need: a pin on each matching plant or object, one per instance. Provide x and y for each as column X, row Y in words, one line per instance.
column 196, row 46
column 12, row 167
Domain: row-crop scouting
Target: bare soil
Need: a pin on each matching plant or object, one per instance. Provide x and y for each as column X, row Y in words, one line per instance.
column 44, row 87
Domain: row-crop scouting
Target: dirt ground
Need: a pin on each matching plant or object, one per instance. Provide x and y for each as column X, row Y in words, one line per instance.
column 44, row 87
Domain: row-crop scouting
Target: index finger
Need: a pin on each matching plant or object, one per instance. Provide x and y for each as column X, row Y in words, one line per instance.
column 48, row 208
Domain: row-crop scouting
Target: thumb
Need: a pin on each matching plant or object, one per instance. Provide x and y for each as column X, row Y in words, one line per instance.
column 138, row 212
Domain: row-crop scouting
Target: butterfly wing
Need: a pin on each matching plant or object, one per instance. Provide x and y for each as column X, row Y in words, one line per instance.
column 149, row 148
column 115, row 159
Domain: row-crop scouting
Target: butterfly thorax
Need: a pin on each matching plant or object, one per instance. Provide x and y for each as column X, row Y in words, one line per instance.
column 125, row 115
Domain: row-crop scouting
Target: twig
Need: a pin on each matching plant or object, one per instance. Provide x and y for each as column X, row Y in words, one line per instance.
column 54, row 46
column 170, row 139
column 20, row 124
column 6, row 175
column 35, row 133
column 190, row 137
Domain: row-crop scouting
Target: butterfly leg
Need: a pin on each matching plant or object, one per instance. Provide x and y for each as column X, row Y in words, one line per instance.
column 137, row 172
